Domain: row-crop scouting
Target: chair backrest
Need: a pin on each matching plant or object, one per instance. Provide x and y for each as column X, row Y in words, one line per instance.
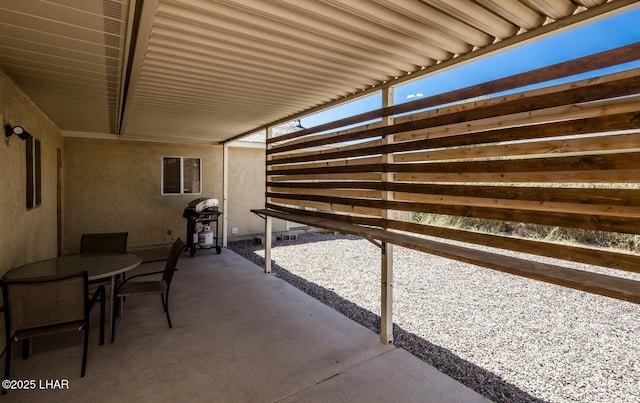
column 110, row 243
column 170, row 266
column 38, row 302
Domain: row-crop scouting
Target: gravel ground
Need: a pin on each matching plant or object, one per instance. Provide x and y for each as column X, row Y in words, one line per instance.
column 509, row 338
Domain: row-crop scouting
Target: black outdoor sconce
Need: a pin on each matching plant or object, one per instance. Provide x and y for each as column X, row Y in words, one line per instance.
column 17, row 130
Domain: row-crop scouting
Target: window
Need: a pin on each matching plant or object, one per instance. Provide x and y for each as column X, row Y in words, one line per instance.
column 34, row 175
column 181, row 175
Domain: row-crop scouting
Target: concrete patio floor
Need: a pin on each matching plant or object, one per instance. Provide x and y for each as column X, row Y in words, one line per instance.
column 238, row 336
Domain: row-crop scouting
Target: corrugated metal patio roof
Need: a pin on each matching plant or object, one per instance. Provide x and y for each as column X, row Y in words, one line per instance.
column 206, row 71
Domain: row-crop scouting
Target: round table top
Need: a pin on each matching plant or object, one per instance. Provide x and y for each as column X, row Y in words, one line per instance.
column 97, row 266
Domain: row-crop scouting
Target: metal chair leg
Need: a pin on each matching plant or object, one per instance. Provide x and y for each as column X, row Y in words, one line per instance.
column 7, row 363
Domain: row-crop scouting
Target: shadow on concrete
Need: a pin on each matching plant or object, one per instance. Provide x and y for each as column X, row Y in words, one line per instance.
column 474, row 377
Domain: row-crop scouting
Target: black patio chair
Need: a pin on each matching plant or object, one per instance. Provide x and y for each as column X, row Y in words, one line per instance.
column 109, row 243
column 112, row 243
column 48, row 305
column 162, row 286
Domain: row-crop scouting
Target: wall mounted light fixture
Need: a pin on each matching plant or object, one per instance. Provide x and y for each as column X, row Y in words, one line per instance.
column 17, row 130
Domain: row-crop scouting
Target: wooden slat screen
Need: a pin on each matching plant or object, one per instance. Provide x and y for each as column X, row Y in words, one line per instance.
column 565, row 155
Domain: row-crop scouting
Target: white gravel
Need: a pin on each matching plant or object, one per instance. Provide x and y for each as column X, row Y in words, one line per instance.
column 509, row 338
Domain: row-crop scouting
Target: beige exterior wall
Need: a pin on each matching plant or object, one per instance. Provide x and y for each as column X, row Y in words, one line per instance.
column 27, row 235
column 110, row 186
column 115, row 186
column 246, row 192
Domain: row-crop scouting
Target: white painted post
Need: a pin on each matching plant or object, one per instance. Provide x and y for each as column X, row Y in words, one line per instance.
column 267, row 244
column 386, row 296
column 267, row 219
column 225, row 193
column 386, row 273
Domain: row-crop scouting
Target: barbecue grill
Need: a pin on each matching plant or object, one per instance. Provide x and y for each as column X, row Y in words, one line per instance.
column 200, row 214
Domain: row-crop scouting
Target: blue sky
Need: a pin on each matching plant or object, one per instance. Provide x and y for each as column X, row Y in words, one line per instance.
column 613, row 32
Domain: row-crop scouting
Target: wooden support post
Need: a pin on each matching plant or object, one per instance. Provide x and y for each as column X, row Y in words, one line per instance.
column 386, row 274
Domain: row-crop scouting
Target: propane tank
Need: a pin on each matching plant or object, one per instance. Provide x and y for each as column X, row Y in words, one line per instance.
column 205, row 237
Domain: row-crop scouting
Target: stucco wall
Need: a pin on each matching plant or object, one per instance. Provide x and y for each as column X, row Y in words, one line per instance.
column 27, row 235
column 115, row 186
column 109, row 186
column 246, row 192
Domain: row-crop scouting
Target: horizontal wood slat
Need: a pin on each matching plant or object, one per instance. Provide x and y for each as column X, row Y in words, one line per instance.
column 609, row 196
column 628, row 223
column 340, row 207
column 574, row 145
column 527, row 118
column 592, row 162
column 524, row 205
column 622, row 176
column 345, row 176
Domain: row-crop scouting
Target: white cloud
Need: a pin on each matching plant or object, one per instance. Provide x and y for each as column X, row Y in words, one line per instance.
column 415, row 95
